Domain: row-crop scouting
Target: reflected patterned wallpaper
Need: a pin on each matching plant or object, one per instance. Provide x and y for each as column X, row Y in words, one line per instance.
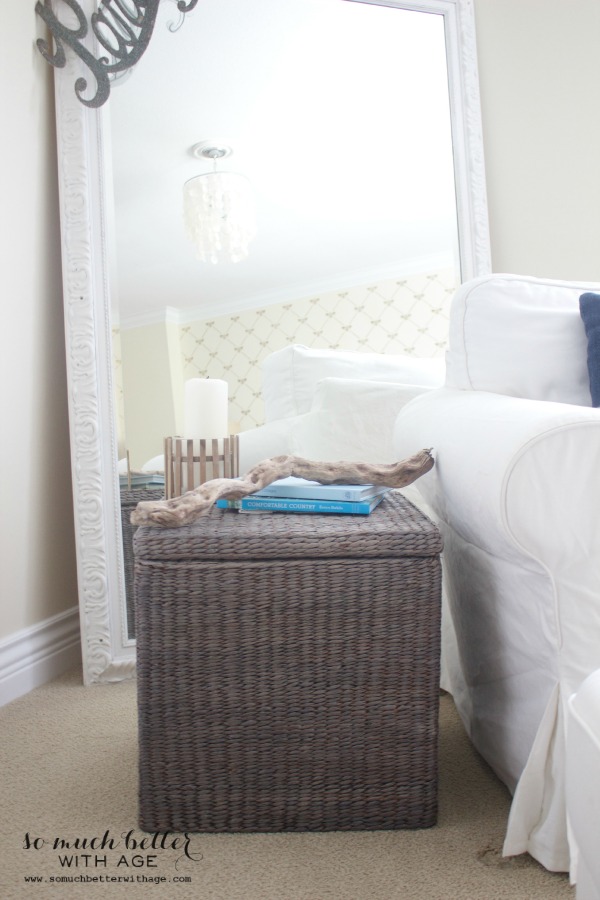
column 408, row 315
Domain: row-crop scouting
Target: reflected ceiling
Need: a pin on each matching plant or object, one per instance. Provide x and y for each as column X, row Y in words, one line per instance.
column 337, row 112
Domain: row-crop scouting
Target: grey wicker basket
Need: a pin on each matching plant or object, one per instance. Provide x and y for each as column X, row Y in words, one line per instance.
column 130, row 497
column 288, row 671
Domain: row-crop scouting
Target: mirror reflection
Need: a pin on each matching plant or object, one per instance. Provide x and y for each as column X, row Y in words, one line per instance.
column 337, row 115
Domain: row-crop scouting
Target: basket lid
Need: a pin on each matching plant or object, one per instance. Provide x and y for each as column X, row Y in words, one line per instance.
column 395, row 528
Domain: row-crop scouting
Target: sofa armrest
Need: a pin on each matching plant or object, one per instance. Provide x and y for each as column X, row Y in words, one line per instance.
column 517, row 480
column 520, row 472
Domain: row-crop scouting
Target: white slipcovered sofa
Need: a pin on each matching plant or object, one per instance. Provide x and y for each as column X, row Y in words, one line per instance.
column 331, row 404
column 516, row 492
column 335, row 404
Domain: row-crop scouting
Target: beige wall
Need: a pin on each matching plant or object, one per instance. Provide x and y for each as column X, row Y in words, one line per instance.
column 37, row 561
column 540, row 97
column 540, row 92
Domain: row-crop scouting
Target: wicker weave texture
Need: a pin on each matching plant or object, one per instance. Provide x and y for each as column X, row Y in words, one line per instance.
column 288, row 695
column 395, row 528
column 129, row 500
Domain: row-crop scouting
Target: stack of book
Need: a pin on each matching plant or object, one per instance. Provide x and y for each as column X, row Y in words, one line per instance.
column 297, row 495
column 141, row 479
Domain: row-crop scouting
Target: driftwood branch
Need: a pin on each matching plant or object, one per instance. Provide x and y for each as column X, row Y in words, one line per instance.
column 190, row 506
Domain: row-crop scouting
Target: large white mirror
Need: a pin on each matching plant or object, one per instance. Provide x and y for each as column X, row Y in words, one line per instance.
column 358, row 127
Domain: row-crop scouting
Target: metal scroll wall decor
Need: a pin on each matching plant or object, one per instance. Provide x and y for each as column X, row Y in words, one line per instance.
column 122, row 27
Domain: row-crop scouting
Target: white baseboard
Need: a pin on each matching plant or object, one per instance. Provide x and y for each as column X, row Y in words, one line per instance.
column 33, row 656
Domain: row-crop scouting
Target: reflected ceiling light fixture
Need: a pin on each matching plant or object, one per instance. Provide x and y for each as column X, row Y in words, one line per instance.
column 218, row 209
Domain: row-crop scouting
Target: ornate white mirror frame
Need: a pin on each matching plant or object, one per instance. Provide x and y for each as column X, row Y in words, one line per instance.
column 108, row 654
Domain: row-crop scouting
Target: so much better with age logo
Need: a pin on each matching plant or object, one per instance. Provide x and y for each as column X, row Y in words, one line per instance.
column 125, row 858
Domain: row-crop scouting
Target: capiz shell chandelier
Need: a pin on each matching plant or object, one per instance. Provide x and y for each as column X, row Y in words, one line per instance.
column 218, row 210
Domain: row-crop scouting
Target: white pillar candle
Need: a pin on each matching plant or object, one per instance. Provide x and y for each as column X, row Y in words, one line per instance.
column 205, row 408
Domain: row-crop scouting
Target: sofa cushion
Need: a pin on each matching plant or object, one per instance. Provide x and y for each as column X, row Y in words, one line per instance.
column 589, row 307
column 291, row 375
column 519, row 336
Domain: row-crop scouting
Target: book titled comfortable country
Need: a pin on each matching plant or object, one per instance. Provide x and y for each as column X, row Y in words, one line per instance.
column 298, row 495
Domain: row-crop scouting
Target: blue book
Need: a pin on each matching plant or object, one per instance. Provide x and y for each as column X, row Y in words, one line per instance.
column 254, row 503
column 300, row 488
column 142, row 479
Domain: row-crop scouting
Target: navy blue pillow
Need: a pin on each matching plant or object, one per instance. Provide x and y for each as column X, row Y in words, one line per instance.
column 589, row 307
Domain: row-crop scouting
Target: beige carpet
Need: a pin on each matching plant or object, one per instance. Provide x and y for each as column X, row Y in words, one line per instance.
column 68, row 762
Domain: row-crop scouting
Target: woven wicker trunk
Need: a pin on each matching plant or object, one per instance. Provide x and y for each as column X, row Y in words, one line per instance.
column 129, row 500
column 288, row 671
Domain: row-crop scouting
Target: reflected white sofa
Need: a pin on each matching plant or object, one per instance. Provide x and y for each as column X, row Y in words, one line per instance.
column 331, row 404
column 583, row 784
column 335, row 404
column 516, row 492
